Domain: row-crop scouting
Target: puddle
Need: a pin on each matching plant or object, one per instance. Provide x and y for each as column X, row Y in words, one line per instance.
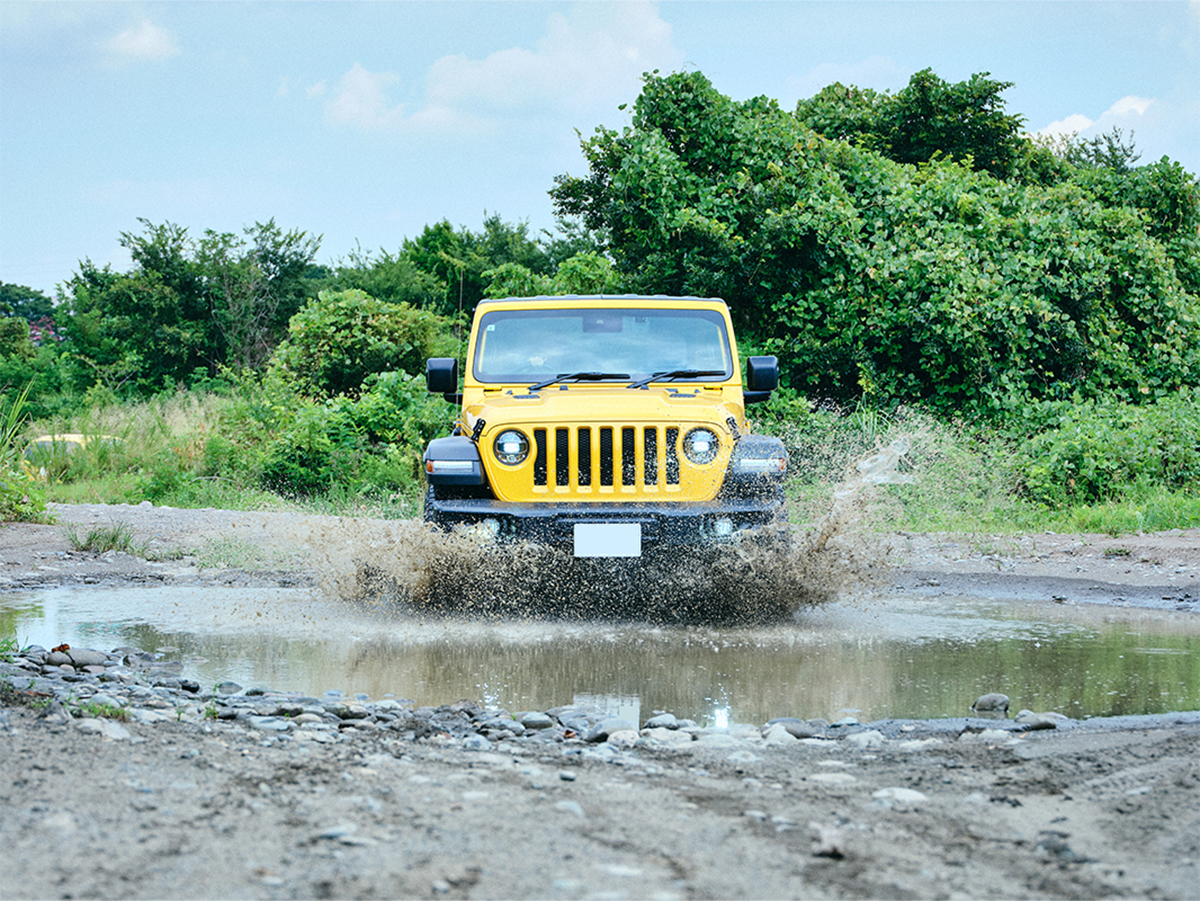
column 903, row 656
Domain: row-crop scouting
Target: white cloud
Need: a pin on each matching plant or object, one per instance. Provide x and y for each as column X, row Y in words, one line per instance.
column 145, row 41
column 1127, row 114
column 361, row 99
column 1071, row 125
column 590, row 59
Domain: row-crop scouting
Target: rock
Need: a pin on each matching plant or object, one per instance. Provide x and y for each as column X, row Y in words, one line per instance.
column 987, row 735
column 668, row 736
column 993, row 706
column 87, row 657
column 269, row 724
column 105, row 728
column 1033, row 721
column 623, row 738
column 827, row 841
column 227, row 688
column 606, row 727
column 845, row 721
column 535, row 720
column 476, row 742
column 899, row 797
column 567, row 775
column 795, row 727
column 662, row 721
column 572, row 807
column 864, row 741
column 57, row 658
column 779, row 735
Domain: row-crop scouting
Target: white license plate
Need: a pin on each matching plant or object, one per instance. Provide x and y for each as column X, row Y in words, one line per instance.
column 608, row 539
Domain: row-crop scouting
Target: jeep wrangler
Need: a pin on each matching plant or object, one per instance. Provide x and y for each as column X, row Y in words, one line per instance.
column 612, row 426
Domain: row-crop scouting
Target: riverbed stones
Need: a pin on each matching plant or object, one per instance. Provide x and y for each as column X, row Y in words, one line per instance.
column 991, row 706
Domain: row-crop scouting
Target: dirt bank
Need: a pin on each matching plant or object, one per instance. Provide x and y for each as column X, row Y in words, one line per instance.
column 187, row 805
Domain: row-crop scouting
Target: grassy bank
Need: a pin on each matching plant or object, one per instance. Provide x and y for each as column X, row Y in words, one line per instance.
column 222, row 449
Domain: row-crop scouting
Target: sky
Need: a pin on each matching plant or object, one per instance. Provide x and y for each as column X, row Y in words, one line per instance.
column 363, row 122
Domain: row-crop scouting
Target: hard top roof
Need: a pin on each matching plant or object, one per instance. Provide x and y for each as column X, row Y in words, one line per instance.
column 593, row 298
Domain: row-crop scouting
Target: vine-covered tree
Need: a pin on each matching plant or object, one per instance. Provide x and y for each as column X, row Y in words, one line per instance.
column 924, row 276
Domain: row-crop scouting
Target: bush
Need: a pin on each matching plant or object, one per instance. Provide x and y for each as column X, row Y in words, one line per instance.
column 338, row 340
column 1093, row 452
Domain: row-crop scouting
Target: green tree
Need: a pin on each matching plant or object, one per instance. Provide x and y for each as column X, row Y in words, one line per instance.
column 932, row 280
column 342, row 337
column 927, row 118
column 187, row 307
column 28, row 303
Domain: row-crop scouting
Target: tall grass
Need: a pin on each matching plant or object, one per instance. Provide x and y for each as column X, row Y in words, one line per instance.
column 201, row 449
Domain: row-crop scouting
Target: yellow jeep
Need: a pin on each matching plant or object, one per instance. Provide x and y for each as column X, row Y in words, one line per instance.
column 609, row 425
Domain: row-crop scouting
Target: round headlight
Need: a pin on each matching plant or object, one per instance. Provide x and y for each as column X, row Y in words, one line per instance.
column 701, row 445
column 511, row 447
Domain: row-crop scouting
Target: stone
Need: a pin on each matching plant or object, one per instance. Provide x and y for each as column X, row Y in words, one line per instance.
column 662, row 721
column 845, row 721
column 606, row 727
column 228, row 688
column 269, row 723
column 795, row 727
column 870, row 740
column 476, row 742
column 623, row 738
column 1033, row 721
column 535, row 720
column 779, row 735
column 668, row 736
column 87, row 657
column 993, row 706
column 572, row 807
column 105, row 728
column 900, row 797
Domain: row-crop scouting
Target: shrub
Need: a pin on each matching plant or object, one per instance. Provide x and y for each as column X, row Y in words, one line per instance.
column 1092, row 452
column 339, row 339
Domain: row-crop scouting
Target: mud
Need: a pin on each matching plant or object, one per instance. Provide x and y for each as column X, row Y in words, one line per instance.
column 199, row 810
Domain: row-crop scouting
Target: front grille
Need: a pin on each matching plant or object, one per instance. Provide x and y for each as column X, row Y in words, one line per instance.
column 640, row 456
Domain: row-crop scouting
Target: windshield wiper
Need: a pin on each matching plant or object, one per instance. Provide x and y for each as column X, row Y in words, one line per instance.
column 674, row 374
column 578, row 377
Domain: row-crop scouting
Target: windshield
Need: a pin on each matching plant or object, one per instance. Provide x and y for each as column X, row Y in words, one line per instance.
column 536, row 345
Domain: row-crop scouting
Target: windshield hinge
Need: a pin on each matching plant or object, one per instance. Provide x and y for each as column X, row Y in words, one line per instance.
column 733, row 428
column 480, row 424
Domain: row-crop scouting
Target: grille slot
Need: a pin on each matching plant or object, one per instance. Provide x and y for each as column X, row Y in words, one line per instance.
column 562, row 457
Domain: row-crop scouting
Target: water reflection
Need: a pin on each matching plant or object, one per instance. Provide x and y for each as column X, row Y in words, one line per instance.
column 903, row 657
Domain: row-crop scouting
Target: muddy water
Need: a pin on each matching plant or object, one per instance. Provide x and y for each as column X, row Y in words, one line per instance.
column 893, row 657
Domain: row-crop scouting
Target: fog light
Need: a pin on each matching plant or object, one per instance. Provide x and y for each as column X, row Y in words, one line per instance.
column 723, row 527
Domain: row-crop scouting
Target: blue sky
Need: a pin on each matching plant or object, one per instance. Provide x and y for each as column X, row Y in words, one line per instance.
column 363, row 122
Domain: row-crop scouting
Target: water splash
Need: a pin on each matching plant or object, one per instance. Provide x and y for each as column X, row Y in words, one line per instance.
column 764, row 576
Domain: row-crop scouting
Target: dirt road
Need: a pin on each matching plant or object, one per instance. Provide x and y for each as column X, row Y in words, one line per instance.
column 190, row 805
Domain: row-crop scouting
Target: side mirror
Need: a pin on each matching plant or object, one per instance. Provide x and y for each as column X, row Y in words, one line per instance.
column 441, row 375
column 762, row 373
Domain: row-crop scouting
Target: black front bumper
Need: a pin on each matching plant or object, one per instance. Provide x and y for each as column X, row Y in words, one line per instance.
column 663, row 524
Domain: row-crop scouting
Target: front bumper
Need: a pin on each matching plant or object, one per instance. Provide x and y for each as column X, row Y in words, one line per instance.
column 661, row 525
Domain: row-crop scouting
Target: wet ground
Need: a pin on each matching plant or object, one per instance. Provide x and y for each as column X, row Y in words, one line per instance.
column 891, row 655
column 1084, row 625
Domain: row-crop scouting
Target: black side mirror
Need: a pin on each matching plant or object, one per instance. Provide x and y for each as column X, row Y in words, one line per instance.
column 441, row 375
column 762, row 373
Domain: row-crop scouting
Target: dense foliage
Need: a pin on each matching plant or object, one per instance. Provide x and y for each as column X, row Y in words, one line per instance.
column 872, row 273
